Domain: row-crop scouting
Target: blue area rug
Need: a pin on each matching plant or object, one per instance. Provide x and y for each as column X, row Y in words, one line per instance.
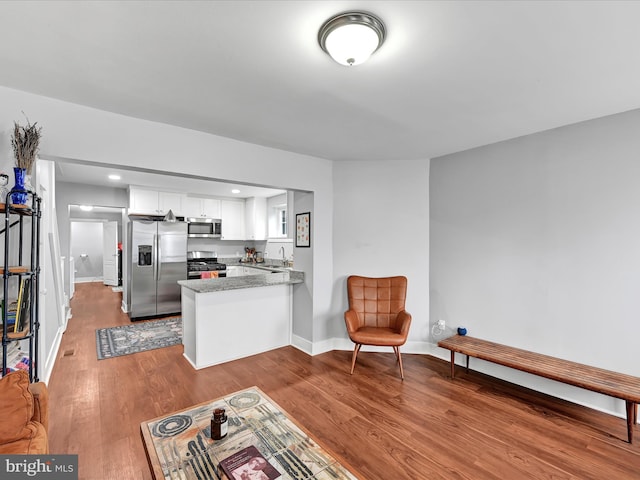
column 139, row 337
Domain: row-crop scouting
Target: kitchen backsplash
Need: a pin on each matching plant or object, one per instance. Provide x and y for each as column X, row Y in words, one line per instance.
column 230, row 249
column 224, row 248
column 273, row 249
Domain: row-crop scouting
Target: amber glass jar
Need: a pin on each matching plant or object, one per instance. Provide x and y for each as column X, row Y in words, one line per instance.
column 219, row 424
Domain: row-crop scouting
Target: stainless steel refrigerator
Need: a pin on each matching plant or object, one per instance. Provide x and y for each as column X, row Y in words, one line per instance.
column 158, row 261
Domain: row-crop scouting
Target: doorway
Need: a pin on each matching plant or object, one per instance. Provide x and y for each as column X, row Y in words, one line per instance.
column 95, row 239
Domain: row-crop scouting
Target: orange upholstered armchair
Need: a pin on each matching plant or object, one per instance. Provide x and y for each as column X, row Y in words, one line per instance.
column 376, row 314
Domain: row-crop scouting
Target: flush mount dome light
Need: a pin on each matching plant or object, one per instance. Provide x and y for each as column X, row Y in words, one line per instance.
column 351, row 37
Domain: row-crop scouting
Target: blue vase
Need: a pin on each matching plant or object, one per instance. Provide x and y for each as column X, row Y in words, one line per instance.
column 19, row 195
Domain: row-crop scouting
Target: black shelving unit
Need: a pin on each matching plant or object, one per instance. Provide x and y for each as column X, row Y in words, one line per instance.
column 21, row 270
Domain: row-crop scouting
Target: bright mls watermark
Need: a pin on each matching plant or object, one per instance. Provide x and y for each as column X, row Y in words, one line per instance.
column 52, row 467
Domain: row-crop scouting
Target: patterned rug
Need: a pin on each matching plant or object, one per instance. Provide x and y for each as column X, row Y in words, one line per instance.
column 139, row 337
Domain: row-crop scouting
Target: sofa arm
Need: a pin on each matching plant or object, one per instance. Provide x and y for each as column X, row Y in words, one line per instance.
column 40, row 403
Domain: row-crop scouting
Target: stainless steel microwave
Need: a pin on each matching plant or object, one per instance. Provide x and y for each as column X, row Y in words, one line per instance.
column 204, row 227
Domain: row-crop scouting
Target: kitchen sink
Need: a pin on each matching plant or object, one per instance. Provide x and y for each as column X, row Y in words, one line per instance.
column 271, row 268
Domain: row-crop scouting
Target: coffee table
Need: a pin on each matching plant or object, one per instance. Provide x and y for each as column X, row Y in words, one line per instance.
column 179, row 445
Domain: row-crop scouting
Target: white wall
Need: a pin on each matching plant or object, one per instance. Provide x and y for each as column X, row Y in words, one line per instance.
column 535, row 244
column 86, row 249
column 381, row 228
column 303, row 298
column 52, row 303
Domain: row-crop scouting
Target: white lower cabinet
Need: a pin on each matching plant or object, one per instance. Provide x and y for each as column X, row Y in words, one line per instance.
column 240, row 322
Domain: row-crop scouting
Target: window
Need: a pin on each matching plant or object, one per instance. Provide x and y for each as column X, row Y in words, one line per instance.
column 278, row 221
column 282, row 221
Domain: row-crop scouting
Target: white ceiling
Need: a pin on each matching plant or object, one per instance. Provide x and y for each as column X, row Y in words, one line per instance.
column 451, row 75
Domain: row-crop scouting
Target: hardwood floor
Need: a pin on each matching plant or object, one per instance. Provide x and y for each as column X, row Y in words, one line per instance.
column 427, row 427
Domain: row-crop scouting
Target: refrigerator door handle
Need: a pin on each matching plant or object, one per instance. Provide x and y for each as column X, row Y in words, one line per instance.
column 159, row 258
column 155, row 257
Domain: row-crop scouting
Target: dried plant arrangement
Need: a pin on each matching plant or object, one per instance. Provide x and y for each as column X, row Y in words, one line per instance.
column 25, row 142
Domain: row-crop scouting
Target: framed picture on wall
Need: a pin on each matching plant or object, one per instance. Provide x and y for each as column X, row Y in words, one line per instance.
column 303, row 229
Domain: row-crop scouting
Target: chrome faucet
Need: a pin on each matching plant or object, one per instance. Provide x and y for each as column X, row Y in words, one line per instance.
column 283, row 257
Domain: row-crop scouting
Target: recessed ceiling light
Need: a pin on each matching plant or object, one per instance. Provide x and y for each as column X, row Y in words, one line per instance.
column 86, row 208
column 113, row 176
column 235, row 190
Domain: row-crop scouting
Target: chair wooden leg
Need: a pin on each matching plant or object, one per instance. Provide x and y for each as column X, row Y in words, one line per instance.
column 399, row 357
column 396, row 350
column 356, row 349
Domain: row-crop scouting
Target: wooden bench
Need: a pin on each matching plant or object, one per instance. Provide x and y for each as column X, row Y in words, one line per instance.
column 618, row 385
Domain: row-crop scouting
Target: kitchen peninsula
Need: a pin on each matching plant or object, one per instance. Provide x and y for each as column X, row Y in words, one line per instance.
column 224, row 319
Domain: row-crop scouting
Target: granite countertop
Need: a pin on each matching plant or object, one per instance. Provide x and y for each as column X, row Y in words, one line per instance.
column 281, row 277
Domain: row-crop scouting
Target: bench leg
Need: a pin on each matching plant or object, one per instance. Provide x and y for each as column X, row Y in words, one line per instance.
column 632, row 417
column 453, row 363
column 468, row 363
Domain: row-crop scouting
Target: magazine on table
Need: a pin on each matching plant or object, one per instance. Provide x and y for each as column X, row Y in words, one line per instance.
column 248, row 464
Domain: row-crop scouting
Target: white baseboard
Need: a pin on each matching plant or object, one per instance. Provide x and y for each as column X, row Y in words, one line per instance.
column 50, row 361
column 316, row 348
column 301, row 344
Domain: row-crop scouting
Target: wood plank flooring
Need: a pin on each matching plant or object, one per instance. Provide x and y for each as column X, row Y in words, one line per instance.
column 426, row 427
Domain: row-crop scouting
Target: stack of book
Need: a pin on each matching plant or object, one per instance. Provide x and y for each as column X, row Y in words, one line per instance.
column 11, row 315
column 16, row 360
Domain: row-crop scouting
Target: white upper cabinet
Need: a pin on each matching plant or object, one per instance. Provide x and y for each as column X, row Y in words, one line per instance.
column 233, row 223
column 153, row 202
column 171, row 201
column 143, row 201
column 211, row 207
column 202, row 207
column 256, row 218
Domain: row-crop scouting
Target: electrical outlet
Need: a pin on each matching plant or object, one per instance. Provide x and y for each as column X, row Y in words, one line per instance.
column 441, row 324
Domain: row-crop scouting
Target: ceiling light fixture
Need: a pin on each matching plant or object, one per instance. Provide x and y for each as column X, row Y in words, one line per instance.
column 86, row 208
column 113, row 176
column 351, row 37
column 235, row 190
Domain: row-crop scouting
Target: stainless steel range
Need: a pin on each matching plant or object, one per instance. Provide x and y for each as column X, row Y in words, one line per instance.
column 198, row 262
